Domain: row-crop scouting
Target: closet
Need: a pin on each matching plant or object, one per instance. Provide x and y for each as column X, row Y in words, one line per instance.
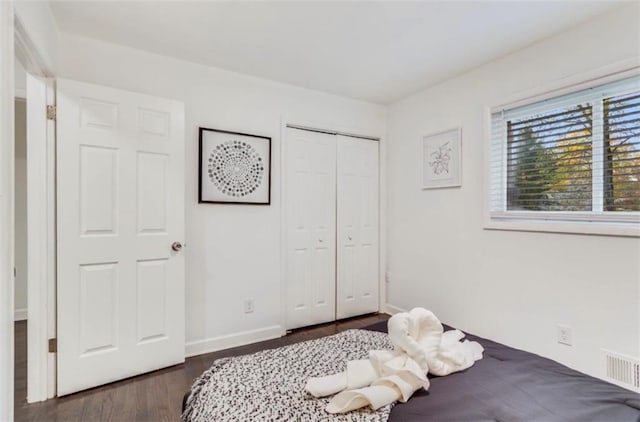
column 332, row 230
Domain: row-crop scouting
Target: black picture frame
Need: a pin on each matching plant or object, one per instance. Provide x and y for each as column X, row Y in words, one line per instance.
column 255, row 150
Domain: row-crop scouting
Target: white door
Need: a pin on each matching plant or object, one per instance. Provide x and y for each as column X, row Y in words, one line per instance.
column 310, row 184
column 120, row 206
column 357, row 227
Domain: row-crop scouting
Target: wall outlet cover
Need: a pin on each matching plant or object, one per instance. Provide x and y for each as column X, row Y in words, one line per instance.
column 565, row 335
column 248, row 306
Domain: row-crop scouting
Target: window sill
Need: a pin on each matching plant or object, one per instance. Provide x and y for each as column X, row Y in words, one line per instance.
column 568, row 227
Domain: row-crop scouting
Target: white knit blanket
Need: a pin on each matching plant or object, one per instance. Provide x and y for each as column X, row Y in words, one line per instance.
column 269, row 385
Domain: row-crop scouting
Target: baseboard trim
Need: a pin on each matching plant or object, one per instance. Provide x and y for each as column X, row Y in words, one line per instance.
column 392, row 310
column 20, row 314
column 214, row 344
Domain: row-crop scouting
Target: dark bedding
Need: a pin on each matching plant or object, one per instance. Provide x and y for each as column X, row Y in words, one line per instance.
column 510, row 385
column 513, row 385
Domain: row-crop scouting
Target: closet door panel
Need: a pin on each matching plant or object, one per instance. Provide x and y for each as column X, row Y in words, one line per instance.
column 310, row 183
column 357, row 282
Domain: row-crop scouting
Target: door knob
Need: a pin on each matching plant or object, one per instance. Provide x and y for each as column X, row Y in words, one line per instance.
column 176, row 246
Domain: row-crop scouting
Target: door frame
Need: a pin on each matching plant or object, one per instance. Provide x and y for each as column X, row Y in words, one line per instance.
column 41, row 250
column 329, row 127
column 7, row 92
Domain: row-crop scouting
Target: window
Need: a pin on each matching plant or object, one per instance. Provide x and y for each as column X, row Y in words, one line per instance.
column 574, row 157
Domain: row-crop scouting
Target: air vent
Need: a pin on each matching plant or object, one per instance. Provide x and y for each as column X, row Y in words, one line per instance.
column 624, row 370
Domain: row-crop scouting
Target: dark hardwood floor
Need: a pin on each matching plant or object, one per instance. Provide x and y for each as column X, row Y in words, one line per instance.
column 156, row 396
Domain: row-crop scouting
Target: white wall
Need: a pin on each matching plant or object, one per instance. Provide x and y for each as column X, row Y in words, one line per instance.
column 21, row 80
column 21, row 209
column 40, row 26
column 233, row 252
column 6, row 210
column 513, row 287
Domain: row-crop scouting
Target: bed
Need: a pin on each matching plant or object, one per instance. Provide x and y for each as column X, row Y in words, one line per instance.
column 506, row 385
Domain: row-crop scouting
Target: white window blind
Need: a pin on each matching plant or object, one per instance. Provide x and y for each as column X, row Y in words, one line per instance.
column 575, row 157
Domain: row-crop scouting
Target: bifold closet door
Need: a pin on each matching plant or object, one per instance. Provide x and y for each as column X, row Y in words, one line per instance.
column 311, row 227
column 357, row 227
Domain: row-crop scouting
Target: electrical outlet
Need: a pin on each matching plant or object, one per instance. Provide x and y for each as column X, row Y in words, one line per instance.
column 248, row 306
column 565, row 335
column 387, row 277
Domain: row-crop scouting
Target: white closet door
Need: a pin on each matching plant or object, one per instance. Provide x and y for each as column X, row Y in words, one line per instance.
column 357, row 227
column 311, row 226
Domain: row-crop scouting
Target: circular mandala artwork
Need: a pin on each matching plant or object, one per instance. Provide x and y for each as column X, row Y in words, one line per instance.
column 235, row 168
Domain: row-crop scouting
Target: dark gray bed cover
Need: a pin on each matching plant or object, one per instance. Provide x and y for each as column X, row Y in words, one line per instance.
column 510, row 385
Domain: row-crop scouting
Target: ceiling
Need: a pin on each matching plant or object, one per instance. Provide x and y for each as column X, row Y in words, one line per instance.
column 375, row 51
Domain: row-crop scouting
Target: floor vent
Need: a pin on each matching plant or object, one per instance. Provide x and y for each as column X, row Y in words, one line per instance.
column 623, row 369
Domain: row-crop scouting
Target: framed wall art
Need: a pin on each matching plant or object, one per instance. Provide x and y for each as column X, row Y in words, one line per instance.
column 234, row 168
column 442, row 159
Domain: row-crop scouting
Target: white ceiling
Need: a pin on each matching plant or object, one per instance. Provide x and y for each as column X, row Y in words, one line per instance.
column 375, row 51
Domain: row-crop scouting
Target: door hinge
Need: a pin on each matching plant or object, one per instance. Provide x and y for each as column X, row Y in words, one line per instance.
column 53, row 345
column 51, row 112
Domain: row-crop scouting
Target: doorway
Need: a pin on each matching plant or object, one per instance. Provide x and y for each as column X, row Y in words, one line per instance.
column 20, row 237
column 17, row 46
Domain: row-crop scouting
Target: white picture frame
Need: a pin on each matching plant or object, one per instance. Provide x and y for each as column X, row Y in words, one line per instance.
column 442, row 159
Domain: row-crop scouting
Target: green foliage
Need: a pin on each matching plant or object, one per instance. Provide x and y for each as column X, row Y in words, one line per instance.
column 622, row 157
column 533, row 174
column 550, row 163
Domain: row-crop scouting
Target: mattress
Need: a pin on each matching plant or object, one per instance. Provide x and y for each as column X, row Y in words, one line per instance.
column 512, row 385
